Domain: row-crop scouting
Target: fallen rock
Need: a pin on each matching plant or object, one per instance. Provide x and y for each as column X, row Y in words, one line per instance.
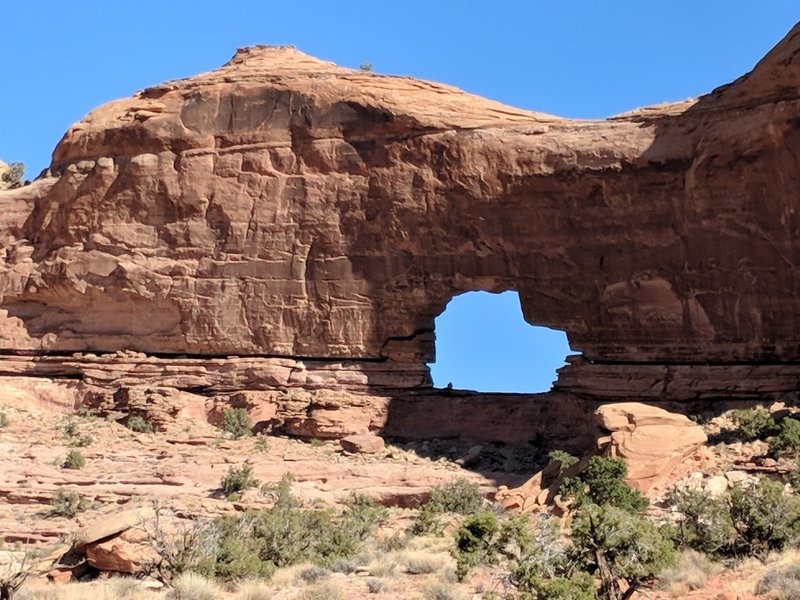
column 109, row 525
column 128, row 552
column 652, row 440
column 362, row 444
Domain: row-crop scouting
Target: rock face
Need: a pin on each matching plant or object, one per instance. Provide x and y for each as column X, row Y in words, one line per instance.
column 651, row 440
column 285, row 209
column 285, row 206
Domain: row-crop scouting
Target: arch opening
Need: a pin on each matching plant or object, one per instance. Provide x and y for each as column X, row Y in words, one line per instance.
column 484, row 344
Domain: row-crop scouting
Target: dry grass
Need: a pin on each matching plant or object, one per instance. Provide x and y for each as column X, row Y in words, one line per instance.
column 385, row 566
column 322, row 591
column 115, row 589
column 782, row 579
column 441, row 590
column 690, row 572
column 419, row 562
column 289, row 576
column 191, row 586
column 254, row 590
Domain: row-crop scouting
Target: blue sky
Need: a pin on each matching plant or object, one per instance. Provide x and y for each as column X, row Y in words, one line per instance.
column 584, row 58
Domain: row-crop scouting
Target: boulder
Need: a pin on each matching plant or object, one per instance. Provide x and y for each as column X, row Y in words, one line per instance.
column 652, row 440
column 362, row 444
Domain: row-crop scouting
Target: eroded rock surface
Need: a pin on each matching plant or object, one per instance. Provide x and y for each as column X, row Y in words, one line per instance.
column 284, row 206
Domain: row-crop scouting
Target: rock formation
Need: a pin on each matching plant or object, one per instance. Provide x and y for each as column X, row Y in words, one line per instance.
column 285, row 224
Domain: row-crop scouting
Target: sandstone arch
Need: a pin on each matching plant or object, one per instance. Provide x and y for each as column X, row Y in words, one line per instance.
column 282, row 207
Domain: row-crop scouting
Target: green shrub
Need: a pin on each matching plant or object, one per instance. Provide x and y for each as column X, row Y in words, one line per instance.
column 362, row 516
column 460, row 496
column 614, row 544
column 255, row 543
column 577, row 586
column 74, row 460
column 602, row 482
column 764, row 517
column 261, row 444
column 139, row 425
column 477, row 542
column 753, row 423
column 236, row 422
column 751, row 519
column 238, row 479
column 565, row 459
column 73, row 435
column 787, row 437
column 482, row 538
column 4, row 420
column 706, row 524
column 545, row 570
column 68, row 504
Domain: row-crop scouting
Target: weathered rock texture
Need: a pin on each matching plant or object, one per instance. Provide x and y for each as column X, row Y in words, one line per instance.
column 285, row 209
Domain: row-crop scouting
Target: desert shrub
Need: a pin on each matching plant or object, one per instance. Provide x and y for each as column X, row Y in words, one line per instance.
column 424, row 563
column 73, row 435
column 689, row 573
column 753, row 423
column 376, row 586
column 614, row 544
column 705, row 524
column 362, row 516
column 125, row 588
column 313, row 574
column 254, row 590
column 13, row 575
column 396, row 541
column 577, row 586
column 478, row 541
column 764, row 517
column 545, row 569
column 441, row 590
column 565, row 459
column 236, row 422
column 238, row 479
column 139, row 425
column 781, row 582
column 602, row 482
column 4, row 420
column 751, row 519
column 366, row 66
column 345, row 565
column 261, row 444
column 74, row 460
column 322, row 591
column 68, row 504
column 255, row 543
column 483, row 538
column 787, row 437
column 191, row 586
column 459, row 496
column 179, row 549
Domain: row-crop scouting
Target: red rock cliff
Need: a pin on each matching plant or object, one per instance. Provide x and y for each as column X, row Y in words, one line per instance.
column 282, row 206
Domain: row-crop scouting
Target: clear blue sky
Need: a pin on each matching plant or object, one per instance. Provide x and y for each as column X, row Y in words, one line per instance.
column 572, row 58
